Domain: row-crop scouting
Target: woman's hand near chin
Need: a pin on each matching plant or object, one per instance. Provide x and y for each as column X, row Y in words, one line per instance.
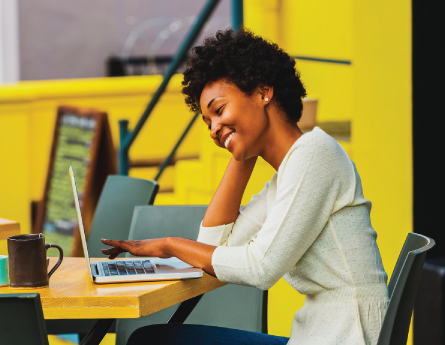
column 154, row 247
column 192, row 252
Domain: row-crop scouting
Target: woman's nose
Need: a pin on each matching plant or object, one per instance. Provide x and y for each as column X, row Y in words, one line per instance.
column 215, row 132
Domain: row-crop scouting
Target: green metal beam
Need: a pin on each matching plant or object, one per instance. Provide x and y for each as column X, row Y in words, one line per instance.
column 237, row 13
column 126, row 137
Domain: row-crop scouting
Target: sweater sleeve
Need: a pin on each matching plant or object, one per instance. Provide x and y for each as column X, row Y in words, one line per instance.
column 249, row 221
column 312, row 179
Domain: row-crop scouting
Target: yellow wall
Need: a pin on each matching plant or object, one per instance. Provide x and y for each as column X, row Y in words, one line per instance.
column 14, row 182
column 381, row 130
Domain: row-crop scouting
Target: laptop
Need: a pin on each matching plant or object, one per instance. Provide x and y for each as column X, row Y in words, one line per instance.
column 132, row 270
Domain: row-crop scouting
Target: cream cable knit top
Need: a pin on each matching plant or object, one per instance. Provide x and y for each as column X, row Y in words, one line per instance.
column 310, row 225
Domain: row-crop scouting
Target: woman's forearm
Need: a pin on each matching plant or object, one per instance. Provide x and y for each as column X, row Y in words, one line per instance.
column 224, row 207
column 194, row 253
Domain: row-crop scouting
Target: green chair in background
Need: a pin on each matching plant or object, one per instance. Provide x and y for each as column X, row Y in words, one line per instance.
column 112, row 220
column 402, row 289
column 21, row 320
column 238, row 307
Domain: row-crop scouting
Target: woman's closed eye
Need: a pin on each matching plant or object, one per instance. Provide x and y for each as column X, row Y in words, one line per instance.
column 219, row 109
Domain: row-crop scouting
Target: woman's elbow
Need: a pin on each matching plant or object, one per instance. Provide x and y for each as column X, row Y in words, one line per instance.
column 265, row 281
column 265, row 285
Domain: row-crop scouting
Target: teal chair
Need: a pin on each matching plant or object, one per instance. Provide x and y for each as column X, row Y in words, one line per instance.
column 238, row 307
column 402, row 289
column 112, row 220
column 21, row 320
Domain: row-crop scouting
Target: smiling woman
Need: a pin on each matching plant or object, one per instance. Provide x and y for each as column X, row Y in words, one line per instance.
column 310, row 224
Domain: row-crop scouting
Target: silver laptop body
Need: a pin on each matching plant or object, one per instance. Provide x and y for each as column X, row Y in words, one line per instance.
column 132, row 270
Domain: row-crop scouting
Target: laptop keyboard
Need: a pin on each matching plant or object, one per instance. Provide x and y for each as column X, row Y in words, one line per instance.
column 123, row 268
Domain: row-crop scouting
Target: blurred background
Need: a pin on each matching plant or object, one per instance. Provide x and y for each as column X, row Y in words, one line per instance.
column 374, row 80
column 74, row 39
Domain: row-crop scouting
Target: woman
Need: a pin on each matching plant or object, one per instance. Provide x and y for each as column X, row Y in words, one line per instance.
column 309, row 225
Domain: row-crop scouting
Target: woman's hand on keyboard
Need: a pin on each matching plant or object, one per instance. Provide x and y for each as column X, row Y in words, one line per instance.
column 154, row 247
column 192, row 252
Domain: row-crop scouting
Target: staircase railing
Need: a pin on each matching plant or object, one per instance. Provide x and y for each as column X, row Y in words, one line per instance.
column 127, row 137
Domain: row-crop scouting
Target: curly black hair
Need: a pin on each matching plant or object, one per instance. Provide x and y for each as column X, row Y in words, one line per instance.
column 245, row 60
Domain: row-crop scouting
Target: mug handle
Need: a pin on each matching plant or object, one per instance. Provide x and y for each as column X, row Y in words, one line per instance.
column 56, row 266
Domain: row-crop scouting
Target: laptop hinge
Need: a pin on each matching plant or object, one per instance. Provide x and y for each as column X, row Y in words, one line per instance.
column 95, row 270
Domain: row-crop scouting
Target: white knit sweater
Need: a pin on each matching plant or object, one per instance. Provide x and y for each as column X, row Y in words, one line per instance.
column 310, row 225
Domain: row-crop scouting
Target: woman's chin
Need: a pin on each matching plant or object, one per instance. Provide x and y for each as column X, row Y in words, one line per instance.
column 240, row 157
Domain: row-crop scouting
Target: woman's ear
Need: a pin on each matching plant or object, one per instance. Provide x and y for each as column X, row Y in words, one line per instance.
column 266, row 93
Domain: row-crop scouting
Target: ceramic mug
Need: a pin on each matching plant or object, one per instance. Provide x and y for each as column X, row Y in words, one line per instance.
column 4, row 269
column 28, row 262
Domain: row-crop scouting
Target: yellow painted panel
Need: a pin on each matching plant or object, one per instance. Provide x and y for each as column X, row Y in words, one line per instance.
column 381, row 126
column 14, row 171
column 165, row 182
column 166, row 199
column 284, row 301
column 320, row 28
column 263, row 18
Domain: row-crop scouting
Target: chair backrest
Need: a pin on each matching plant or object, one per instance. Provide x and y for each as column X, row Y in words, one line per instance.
column 230, row 306
column 402, row 289
column 114, row 211
column 21, row 320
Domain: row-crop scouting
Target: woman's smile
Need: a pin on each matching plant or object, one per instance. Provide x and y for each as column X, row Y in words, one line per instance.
column 228, row 140
column 227, row 112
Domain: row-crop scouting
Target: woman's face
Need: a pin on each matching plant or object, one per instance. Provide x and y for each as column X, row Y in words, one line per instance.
column 236, row 121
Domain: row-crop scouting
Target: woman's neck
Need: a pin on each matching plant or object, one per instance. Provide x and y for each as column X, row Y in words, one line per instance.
column 278, row 140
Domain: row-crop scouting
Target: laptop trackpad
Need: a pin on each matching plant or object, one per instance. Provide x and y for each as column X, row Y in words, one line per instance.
column 167, row 265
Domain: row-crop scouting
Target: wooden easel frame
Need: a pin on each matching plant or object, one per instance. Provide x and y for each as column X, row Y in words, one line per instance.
column 102, row 163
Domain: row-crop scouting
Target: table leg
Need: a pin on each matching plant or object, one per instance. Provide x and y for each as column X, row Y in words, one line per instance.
column 184, row 310
column 98, row 332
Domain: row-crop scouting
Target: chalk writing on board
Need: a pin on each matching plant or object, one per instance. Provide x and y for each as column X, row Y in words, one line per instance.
column 74, row 143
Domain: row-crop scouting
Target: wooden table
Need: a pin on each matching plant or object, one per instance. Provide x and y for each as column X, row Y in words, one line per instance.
column 8, row 228
column 72, row 295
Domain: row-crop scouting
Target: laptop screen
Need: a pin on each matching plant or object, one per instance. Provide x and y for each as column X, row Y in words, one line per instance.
column 79, row 216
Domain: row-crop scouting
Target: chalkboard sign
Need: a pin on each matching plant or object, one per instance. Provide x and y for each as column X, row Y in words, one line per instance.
column 82, row 139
